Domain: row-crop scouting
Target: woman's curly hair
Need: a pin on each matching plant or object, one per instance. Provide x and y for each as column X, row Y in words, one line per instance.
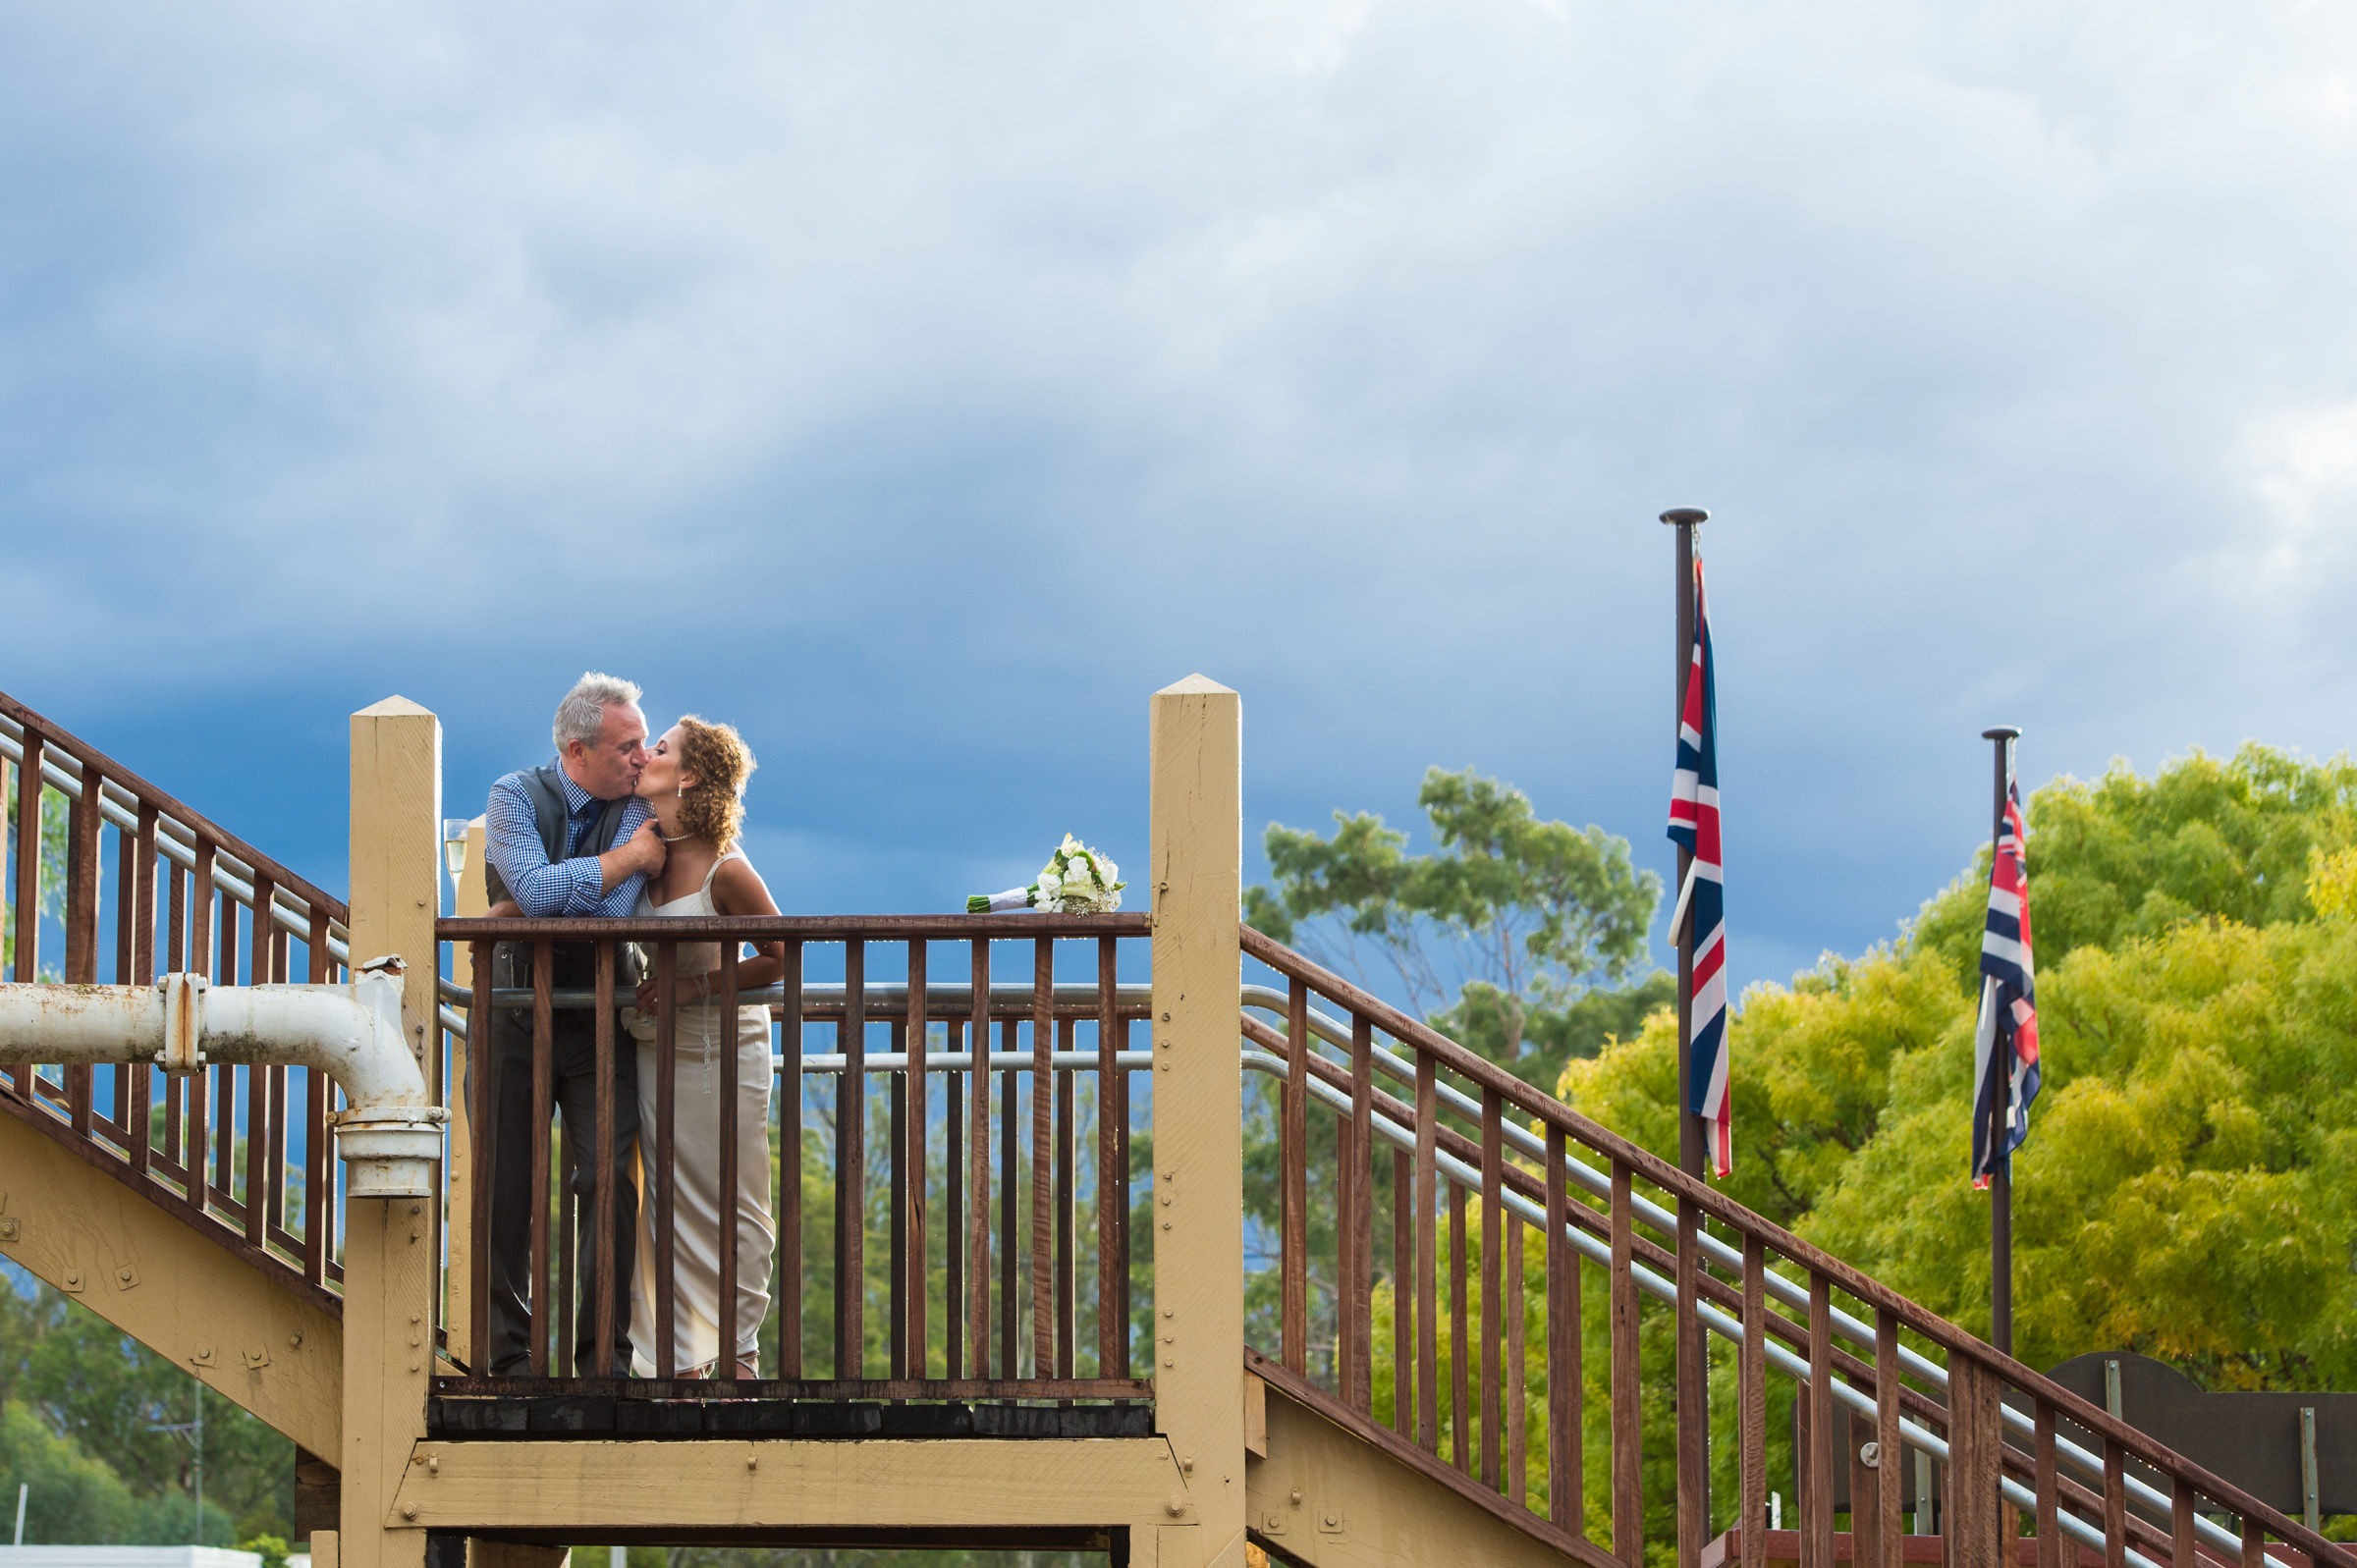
column 713, row 807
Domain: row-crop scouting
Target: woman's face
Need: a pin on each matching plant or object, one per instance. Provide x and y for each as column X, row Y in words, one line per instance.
column 661, row 775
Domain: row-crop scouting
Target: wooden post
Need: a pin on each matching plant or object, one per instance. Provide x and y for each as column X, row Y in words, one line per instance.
column 470, row 897
column 1195, row 871
column 1975, row 1460
column 390, row 1244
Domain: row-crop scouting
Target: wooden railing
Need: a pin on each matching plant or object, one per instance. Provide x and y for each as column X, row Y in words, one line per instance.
column 1016, row 1260
column 1425, row 1129
column 149, row 887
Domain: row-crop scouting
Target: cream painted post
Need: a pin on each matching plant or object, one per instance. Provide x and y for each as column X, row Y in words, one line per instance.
column 469, row 898
column 390, row 1247
column 1197, row 891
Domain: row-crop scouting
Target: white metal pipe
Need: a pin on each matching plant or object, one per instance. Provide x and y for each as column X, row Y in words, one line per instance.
column 389, row 1133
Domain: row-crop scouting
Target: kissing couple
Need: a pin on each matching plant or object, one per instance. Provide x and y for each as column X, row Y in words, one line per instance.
column 617, row 825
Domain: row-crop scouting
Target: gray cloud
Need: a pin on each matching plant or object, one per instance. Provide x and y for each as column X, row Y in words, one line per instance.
column 909, row 381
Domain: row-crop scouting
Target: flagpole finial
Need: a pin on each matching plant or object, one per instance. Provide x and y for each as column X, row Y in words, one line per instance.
column 2002, row 732
column 1685, row 516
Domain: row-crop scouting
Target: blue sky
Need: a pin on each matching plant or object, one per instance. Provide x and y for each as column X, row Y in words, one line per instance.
column 920, row 385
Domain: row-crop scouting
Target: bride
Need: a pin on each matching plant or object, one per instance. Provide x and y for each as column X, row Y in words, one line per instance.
column 695, row 780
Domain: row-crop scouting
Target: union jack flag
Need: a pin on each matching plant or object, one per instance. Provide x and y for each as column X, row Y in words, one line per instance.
column 1702, row 901
column 2005, row 1052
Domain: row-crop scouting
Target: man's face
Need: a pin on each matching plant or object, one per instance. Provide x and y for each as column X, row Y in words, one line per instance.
column 608, row 768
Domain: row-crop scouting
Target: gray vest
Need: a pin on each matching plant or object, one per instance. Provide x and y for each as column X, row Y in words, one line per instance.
column 575, row 963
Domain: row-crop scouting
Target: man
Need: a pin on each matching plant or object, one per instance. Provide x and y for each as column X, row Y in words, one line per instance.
column 567, row 839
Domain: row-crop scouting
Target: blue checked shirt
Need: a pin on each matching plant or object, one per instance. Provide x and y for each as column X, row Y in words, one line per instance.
column 573, row 886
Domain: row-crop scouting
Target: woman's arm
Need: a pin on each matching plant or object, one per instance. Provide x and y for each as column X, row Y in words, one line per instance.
column 737, row 890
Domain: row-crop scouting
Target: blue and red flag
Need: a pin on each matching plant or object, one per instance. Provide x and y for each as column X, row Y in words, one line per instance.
column 2005, row 1052
column 1702, row 900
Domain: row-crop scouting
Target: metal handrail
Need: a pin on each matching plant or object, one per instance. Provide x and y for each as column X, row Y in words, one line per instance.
column 176, row 841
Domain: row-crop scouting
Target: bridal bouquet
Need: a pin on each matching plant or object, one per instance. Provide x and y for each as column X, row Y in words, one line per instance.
column 1076, row 881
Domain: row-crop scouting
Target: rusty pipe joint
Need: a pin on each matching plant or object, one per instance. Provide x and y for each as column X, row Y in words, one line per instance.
column 184, row 1024
column 390, row 1133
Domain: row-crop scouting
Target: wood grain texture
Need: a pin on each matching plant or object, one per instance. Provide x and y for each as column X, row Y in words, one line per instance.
column 1628, row 1484
column 1751, row 1405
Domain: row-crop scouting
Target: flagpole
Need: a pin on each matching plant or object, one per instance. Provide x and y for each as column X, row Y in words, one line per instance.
column 1691, row 1154
column 2001, row 1163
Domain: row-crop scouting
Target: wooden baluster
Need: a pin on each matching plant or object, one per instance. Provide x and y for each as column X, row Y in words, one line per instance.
column 1865, row 1522
column 850, row 1182
column 2115, row 1506
column 603, row 1283
column 1010, row 1364
column 660, row 1184
column 730, row 1214
column 175, row 917
column 143, row 971
column 225, row 1146
column 318, row 1197
column 952, row 1208
column 1359, row 1276
column 1692, row 1373
column 1427, row 1336
column 1975, row 1465
column 1043, row 1132
column 1751, row 1405
column 1629, row 1486
column 1403, row 1293
column 1565, row 1472
column 1493, row 1238
column 568, row 1249
column 482, row 1107
column 1518, row 1329
column 896, row 1333
column 1066, row 1152
column 544, row 1079
column 977, row 1174
column 2254, row 1543
column 1293, row 1168
column 83, row 818
column 2182, row 1507
column 1460, row 1381
column 1120, row 1171
column 29, row 877
column 1345, row 1378
column 1889, row 1451
column 1817, row 1503
column 318, row 1200
column 198, row 1083
column 790, row 1169
column 258, row 1120
column 2051, row 1554
column 913, row 1163
column 126, row 912
column 1113, row 1263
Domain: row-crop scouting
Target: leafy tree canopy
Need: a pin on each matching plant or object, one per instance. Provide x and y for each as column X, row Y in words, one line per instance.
column 1530, row 914
column 2189, row 1187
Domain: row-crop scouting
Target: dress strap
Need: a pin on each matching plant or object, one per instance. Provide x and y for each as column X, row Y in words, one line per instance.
column 733, row 854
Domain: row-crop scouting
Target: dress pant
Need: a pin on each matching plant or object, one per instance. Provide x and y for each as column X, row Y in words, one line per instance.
column 515, row 1186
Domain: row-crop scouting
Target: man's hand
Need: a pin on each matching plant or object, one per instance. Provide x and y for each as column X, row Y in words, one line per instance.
column 644, row 852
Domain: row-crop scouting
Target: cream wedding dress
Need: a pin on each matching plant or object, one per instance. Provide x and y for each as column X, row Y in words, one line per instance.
column 695, row 1165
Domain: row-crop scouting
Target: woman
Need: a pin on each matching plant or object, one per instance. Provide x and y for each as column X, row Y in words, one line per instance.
column 695, row 780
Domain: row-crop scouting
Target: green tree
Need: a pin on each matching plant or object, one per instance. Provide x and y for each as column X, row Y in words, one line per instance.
column 1531, row 915
column 2186, row 1187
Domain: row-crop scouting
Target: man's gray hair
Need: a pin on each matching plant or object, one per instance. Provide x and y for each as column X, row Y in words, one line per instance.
column 582, row 716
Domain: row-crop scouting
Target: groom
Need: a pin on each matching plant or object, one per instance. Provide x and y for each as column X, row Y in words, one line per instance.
column 567, row 839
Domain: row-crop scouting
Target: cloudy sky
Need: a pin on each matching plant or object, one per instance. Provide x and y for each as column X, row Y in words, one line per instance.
column 921, row 385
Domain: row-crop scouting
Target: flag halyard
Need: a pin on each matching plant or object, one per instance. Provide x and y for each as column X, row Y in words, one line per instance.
column 2004, row 1053
column 1694, row 827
